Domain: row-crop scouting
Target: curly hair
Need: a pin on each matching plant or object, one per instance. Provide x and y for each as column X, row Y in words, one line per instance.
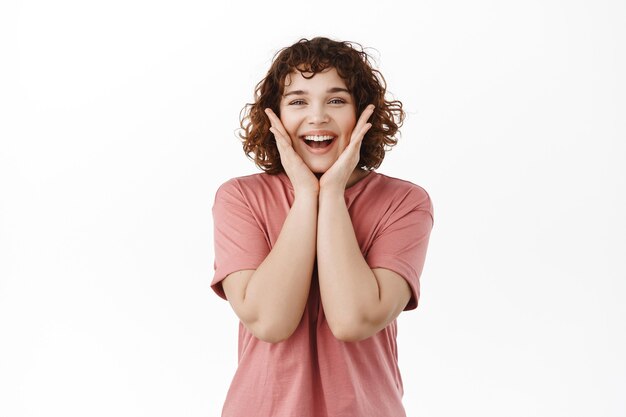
column 366, row 85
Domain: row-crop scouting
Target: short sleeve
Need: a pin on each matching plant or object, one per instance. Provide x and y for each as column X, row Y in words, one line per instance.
column 402, row 243
column 239, row 240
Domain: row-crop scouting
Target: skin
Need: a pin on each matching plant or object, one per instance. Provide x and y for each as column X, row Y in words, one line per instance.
column 358, row 301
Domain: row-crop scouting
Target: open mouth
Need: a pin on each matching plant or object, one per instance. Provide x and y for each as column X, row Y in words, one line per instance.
column 318, row 142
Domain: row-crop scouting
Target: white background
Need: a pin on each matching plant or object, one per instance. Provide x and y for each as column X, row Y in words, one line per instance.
column 117, row 125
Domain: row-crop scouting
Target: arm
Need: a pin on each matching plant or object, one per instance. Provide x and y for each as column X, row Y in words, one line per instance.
column 271, row 299
column 358, row 301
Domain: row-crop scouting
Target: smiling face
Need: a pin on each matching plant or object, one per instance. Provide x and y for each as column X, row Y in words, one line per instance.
column 319, row 114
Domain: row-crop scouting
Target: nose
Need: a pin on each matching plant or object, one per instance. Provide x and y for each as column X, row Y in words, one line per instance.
column 318, row 114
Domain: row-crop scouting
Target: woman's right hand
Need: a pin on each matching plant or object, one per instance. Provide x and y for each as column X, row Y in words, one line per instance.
column 301, row 177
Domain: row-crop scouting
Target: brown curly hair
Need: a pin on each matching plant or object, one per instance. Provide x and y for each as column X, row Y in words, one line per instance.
column 366, row 85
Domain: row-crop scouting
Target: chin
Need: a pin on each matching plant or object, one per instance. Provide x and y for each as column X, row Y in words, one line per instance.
column 318, row 170
column 318, row 166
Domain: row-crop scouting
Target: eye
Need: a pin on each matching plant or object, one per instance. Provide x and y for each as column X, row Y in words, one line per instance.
column 296, row 102
column 338, row 101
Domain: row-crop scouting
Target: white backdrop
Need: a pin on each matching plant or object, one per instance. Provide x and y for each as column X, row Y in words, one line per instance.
column 117, row 125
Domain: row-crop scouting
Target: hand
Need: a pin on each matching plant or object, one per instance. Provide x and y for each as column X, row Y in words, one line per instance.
column 301, row 177
column 337, row 176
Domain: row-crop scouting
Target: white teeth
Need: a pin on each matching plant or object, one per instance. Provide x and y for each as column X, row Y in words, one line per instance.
column 318, row 138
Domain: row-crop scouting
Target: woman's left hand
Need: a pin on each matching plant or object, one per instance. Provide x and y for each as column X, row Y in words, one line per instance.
column 339, row 173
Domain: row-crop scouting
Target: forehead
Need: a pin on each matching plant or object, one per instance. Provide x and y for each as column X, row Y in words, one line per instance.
column 326, row 79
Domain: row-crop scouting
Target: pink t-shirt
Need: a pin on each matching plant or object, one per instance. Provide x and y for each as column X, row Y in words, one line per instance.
column 313, row 374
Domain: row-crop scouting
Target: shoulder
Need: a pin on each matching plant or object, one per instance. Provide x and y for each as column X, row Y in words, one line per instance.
column 402, row 192
column 254, row 189
column 246, row 180
column 256, row 182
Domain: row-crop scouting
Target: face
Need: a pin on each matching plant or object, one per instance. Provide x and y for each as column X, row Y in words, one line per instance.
column 319, row 114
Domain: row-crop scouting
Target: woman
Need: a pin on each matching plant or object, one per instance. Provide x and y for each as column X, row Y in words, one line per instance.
column 320, row 253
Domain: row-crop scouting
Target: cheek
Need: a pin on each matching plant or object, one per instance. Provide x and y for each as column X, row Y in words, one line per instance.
column 348, row 122
column 347, row 129
column 289, row 125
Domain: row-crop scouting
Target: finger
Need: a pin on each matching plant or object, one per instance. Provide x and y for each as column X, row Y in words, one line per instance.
column 359, row 134
column 365, row 115
column 362, row 125
column 277, row 129
column 276, row 123
column 281, row 141
column 366, row 129
column 358, row 139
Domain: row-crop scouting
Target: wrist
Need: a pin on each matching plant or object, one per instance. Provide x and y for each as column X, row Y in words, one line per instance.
column 331, row 192
column 306, row 195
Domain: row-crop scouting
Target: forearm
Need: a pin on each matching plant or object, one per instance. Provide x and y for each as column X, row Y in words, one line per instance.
column 277, row 292
column 348, row 287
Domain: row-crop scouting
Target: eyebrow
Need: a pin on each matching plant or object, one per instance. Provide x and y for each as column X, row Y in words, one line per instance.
column 330, row 90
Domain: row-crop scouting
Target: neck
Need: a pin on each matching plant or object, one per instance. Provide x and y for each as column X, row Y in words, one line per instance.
column 357, row 175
